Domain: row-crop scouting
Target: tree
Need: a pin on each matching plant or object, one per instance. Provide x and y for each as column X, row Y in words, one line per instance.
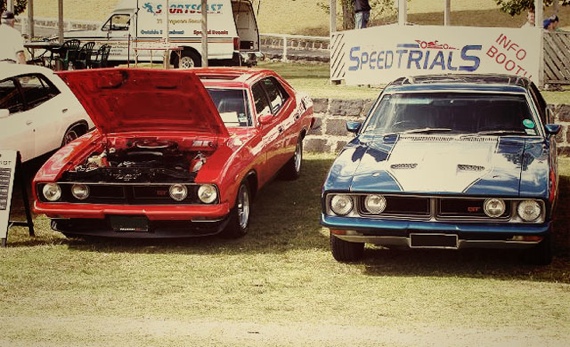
column 379, row 7
column 515, row 7
column 19, row 6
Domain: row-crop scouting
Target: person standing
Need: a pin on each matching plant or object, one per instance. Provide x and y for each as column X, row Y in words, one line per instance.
column 12, row 47
column 530, row 18
column 361, row 13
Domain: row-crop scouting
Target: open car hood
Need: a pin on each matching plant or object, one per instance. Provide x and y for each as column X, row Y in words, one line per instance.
column 125, row 100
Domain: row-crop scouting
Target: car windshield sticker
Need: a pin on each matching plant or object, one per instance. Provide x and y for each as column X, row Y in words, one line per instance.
column 528, row 123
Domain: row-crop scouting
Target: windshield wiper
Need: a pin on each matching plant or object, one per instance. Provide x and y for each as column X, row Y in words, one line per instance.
column 426, row 131
column 502, row 132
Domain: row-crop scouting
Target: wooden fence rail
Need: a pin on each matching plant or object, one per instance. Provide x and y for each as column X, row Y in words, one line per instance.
column 556, row 57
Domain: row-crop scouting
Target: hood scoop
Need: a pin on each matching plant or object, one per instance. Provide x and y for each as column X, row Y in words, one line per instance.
column 471, row 168
column 403, row 166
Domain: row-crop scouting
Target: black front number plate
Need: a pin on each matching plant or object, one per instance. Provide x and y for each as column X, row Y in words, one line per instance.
column 433, row 241
column 129, row 224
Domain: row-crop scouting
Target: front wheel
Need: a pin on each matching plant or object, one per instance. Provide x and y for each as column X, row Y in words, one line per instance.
column 345, row 251
column 239, row 215
column 541, row 254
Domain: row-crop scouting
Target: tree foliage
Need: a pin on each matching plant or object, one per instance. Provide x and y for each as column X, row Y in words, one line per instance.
column 515, row 7
column 19, row 6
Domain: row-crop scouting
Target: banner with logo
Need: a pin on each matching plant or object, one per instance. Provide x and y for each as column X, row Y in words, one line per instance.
column 378, row 55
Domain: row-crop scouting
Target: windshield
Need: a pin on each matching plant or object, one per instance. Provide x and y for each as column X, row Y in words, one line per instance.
column 456, row 113
column 232, row 105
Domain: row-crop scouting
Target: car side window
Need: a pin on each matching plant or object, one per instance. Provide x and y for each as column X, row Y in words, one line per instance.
column 36, row 90
column 10, row 96
column 276, row 94
column 540, row 104
column 260, row 99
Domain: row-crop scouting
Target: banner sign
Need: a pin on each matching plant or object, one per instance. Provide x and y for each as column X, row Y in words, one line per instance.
column 378, row 55
column 7, row 169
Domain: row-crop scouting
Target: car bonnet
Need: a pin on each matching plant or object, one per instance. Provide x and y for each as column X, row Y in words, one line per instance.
column 131, row 100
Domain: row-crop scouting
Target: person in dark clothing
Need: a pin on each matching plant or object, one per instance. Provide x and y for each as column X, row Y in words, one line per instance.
column 361, row 13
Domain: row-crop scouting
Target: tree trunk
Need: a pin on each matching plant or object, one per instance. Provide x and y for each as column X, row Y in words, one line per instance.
column 347, row 14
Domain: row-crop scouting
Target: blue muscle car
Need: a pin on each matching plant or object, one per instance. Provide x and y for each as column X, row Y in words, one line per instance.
column 450, row 162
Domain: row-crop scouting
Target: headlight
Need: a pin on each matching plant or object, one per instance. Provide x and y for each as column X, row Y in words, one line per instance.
column 494, row 208
column 80, row 191
column 529, row 210
column 375, row 204
column 207, row 193
column 341, row 204
column 178, row 192
column 52, row 192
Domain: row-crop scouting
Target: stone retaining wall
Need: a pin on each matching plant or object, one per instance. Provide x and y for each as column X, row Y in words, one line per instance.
column 329, row 134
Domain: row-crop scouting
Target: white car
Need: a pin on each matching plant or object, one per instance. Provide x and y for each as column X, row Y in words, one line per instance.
column 38, row 112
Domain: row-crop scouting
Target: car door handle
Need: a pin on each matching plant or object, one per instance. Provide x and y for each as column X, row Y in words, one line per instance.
column 64, row 110
column 28, row 122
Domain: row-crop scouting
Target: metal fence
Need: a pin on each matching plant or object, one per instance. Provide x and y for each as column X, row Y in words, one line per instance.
column 556, row 48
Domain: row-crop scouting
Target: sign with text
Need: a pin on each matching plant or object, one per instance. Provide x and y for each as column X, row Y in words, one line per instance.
column 7, row 169
column 378, row 55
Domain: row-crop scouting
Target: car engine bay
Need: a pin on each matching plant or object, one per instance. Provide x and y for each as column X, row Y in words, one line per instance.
column 141, row 160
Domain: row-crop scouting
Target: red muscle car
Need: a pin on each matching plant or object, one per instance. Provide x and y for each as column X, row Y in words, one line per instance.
column 175, row 153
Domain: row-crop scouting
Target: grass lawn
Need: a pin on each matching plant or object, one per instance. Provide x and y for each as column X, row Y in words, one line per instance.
column 278, row 286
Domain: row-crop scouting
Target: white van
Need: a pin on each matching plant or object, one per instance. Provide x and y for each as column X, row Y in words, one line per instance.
column 233, row 36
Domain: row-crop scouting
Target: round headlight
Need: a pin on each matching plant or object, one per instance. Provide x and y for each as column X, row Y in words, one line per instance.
column 494, row 208
column 375, row 204
column 80, row 191
column 529, row 210
column 341, row 204
column 207, row 193
column 178, row 192
column 52, row 192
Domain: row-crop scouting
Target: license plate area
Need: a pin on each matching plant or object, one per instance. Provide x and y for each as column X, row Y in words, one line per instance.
column 129, row 224
column 434, row 241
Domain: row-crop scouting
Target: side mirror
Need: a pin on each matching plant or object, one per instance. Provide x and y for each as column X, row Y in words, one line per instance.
column 353, row 127
column 266, row 119
column 552, row 129
column 4, row 113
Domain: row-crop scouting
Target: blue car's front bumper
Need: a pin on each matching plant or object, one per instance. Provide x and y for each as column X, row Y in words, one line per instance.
column 428, row 234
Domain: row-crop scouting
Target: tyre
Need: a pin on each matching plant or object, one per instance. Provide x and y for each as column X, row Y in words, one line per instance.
column 292, row 169
column 541, row 254
column 188, row 59
column 71, row 134
column 346, row 251
column 238, row 222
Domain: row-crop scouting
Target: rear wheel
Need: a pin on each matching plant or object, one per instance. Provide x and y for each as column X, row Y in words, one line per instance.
column 188, row 59
column 71, row 134
column 292, row 170
column 541, row 254
column 239, row 215
column 346, row 251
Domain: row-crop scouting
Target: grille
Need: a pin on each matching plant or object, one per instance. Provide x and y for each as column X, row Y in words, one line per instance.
column 131, row 194
column 440, row 208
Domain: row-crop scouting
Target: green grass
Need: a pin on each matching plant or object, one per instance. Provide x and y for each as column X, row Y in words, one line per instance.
column 282, row 274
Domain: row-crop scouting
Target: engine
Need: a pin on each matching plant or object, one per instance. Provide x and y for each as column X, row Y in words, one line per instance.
column 140, row 161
